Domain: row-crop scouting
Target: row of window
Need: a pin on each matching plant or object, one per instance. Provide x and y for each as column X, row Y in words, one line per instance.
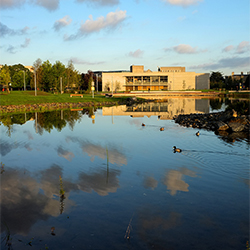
column 146, row 79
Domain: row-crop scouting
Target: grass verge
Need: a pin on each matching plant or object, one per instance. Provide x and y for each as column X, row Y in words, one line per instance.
column 28, row 97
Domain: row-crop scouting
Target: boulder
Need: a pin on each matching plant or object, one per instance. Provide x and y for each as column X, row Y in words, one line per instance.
column 219, row 125
column 238, row 124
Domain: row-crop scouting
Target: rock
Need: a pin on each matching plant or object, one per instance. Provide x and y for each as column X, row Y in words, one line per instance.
column 237, row 124
column 219, row 125
column 225, row 116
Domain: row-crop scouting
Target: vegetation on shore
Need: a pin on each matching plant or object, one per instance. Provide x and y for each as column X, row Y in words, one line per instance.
column 28, row 97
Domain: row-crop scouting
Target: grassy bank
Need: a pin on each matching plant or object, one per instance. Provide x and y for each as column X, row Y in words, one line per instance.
column 28, row 97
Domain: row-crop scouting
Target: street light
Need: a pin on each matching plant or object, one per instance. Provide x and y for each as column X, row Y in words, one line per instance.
column 92, row 88
column 35, row 81
column 24, row 85
column 97, row 83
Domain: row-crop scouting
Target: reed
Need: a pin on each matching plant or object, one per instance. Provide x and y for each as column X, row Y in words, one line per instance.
column 129, row 229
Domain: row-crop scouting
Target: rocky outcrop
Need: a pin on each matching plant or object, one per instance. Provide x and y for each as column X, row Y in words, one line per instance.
column 221, row 121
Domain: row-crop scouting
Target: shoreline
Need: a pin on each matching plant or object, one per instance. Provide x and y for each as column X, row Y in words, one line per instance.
column 144, row 97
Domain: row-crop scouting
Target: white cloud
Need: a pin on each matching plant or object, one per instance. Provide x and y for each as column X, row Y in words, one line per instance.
column 101, row 2
column 50, row 5
column 76, row 60
column 243, row 47
column 11, row 49
column 63, row 22
column 183, row 3
column 229, row 62
column 228, row 48
column 111, row 21
column 26, row 43
column 137, row 53
column 185, row 49
column 5, row 31
column 6, row 4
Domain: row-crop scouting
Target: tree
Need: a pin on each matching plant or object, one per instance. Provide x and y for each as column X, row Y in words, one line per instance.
column 37, row 72
column 47, row 76
column 5, row 75
column 59, row 72
column 18, row 80
column 217, row 80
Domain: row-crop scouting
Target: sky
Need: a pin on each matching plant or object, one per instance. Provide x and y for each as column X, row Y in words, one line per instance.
column 98, row 35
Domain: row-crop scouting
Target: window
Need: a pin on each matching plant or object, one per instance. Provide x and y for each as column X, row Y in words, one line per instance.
column 146, row 79
column 155, row 79
column 137, row 79
column 129, row 80
column 163, row 79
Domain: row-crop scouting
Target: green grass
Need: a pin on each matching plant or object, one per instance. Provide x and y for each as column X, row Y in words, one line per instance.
column 28, row 97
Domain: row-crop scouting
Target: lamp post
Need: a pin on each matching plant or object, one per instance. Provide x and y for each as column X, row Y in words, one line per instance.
column 24, row 85
column 92, row 88
column 97, row 83
column 35, row 81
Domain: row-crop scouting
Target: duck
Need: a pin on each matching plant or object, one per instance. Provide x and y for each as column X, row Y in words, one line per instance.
column 162, row 128
column 143, row 125
column 177, row 149
column 198, row 133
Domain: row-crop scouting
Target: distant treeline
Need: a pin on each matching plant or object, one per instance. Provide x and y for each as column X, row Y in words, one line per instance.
column 47, row 77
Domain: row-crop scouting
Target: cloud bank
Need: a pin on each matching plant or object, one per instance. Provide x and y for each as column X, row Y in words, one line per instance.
column 111, row 21
column 183, row 3
column 63, row 22
column 100, row 2
column 6, row 31
column 241, row 48
column 136, row 54
column 50, row 5
column 185, row 49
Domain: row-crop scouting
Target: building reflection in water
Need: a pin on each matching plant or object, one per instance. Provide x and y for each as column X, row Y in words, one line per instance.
column 164, row 110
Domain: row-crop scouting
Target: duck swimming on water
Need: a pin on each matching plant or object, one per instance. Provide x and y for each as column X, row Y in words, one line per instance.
column 198, row 133
column 143, row 124
column 176, row 149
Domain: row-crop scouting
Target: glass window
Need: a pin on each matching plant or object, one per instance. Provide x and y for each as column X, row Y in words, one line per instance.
column 146, row 79
column 155, row 79
column 163, row 79
column 137, row 79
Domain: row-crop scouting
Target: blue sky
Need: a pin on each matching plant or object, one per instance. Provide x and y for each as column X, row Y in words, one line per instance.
column 201, row 35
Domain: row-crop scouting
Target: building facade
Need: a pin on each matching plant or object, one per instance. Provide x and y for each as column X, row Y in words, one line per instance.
column 166, row 78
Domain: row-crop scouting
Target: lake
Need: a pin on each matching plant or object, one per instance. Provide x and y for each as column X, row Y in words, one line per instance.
column 98, row 179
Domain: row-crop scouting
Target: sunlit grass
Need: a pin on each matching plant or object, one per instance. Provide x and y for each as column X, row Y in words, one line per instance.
column 28, row 97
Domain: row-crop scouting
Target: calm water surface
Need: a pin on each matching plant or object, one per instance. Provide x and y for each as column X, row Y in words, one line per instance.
column 123, row 186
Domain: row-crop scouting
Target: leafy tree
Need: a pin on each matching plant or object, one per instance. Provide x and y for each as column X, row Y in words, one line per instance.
column 19, row 74
column 59, row 72
column 37, row 72
column 87, row 80
column 5, row 75
column 47, row 76
column 18, row 80
column 217, row 80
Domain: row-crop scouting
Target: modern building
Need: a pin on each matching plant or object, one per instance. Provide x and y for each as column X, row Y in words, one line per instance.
column 166, row 78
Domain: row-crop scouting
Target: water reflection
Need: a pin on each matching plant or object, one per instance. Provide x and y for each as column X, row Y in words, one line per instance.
column 27, row 198
column 174, row 180
column 164, row 110
column 93, row 150
column 84, row 187
column 150, row 182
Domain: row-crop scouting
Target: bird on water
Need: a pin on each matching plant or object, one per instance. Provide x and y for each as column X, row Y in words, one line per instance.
column 198, row 133
column 176, row 149
column 143, row 124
